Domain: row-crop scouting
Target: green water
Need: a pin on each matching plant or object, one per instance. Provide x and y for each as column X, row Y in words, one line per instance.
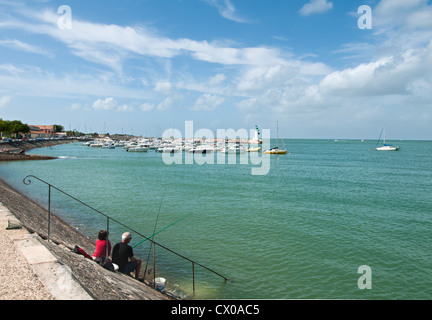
column 299, row 232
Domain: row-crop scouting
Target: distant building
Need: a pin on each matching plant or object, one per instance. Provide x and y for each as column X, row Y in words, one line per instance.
column 37, row 131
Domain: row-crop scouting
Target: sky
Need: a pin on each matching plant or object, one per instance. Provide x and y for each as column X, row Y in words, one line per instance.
column 319, row 69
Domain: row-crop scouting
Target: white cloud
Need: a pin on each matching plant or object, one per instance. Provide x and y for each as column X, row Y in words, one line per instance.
column 22, row 46
column 400, row 7
column 217, row 79
column 164, row 87
column 248, row 105
column 236, row 56
column 4, row 101
column 399, row 85
column 11, row 68
column 112, row 44
column 227, row 10
column 404, row 23
column 279, row 75
column 28, row 80
column 147, row 106
column 420, row 88
column 316, row 6
column 124, row 108
column 166, row 104
column 208, row 102
column 109, row 104
column 353, row 80
column 386, row 76
column 75, row 106
column 106, row 104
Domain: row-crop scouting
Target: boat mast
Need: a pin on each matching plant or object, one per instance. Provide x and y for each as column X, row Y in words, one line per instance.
column 379, row 138
column 277, row 134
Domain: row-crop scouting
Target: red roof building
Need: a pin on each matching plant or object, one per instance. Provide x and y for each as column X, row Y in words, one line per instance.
column 37, row 131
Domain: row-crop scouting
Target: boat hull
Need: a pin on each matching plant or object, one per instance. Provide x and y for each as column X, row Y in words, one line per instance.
column 137, row 149
column 203, row 151
column 275, row 152
column 388, row 148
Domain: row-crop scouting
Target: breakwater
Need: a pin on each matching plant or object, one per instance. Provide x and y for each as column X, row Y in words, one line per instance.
column 98, row 282
column 16, row 150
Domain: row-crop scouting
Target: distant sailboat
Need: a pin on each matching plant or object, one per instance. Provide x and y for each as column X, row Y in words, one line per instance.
column 276, row 150
column 385, row 147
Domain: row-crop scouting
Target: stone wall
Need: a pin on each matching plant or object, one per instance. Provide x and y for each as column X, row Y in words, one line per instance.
column 100, row 283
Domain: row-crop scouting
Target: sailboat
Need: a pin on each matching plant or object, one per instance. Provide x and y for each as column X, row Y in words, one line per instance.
column 386, row 147
column 276, row 150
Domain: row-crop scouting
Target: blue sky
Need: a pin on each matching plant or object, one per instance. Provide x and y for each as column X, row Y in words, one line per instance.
column 143, row 66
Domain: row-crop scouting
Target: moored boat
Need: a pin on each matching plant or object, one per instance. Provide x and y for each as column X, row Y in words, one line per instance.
column 276, row 150
column 137, row 149
column 385, row 147
column 237, row 149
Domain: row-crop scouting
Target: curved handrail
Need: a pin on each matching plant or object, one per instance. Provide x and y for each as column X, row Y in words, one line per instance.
column 27, row 181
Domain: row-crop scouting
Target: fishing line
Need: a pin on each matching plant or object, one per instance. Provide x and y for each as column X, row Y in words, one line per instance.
column 164, row 228
column 154, row 229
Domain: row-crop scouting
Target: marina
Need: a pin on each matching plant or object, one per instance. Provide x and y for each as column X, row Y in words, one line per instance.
column 192, row 145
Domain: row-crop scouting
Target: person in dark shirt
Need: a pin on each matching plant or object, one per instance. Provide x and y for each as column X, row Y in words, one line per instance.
column 123, row 256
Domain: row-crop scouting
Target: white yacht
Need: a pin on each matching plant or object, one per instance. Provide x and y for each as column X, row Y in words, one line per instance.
column 237, row 149
column 137, row 148
column 204, row 149
column 276, row 150
column 168, row 149
column 108, row 146
column 386, row 147
column 96, row 144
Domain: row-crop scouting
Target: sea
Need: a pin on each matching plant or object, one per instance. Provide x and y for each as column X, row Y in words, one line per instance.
column 331, row 219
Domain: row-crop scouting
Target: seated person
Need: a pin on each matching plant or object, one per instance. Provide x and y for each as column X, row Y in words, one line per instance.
column 123, row 256
column 101, row 245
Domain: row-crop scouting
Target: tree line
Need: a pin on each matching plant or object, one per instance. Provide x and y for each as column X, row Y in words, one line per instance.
column 14, row 128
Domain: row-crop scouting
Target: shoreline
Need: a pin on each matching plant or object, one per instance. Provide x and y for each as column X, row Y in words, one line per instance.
column 99, row 283
column 11, row 151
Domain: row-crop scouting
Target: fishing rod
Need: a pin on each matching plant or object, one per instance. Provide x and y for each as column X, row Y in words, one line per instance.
column 163, row 229
column 155, row 233
column 154, row 229
column 150, row 237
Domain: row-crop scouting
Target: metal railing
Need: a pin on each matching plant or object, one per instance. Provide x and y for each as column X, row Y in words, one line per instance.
column 27, row 181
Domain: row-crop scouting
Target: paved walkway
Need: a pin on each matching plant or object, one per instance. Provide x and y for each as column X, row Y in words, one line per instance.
column 28, row 270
